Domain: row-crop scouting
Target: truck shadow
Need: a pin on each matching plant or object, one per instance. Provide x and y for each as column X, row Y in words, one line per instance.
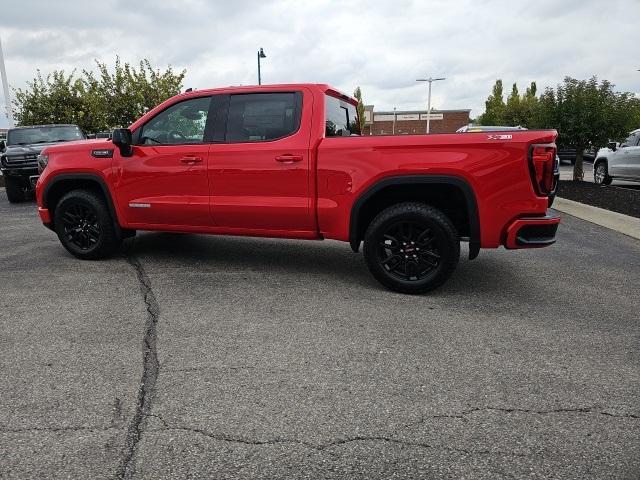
column 490, row 274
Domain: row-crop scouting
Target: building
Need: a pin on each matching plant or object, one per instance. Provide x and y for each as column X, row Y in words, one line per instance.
column 413, row 122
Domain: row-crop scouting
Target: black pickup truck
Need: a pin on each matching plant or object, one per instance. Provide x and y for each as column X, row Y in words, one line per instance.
column 19, row 155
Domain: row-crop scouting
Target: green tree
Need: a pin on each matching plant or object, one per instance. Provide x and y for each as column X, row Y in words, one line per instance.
column 56, row 98
column 529, row 105
column 513, row 112
column 494, row 107
column 518, row 110
column 96, row 101
column 587, row 114
column 358, row 95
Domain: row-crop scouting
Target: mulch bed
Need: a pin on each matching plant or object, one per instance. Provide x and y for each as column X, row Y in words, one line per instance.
column 616, row 199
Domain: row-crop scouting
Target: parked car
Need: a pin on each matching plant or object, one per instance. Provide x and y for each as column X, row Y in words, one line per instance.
column 91, row 136
column 497, row 128
column 569, row 155
column 288, row 161
column 618, row 161
column 19, row 152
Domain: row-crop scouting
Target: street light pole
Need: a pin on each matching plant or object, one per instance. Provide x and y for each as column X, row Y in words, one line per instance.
column 260, row 55
column 430, row 81
column 393, row 131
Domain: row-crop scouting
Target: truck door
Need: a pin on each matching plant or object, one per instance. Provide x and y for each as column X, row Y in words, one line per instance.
column 629, row 157
column 259, row 176
column 164, row 182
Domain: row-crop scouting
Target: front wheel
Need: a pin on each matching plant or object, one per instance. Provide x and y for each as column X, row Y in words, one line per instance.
column 601, row 175
column 411, row 248
column 15, row 190
column 84, row 226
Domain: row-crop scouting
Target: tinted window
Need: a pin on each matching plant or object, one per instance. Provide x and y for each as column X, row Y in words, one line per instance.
column 631, row 141
column 183, row 122
column 342, row 118
column 259, row 117
column 26, row 136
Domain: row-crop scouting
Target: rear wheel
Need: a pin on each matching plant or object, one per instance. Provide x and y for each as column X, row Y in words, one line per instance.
column 84, row 226
column 15, row 190
column 411, row 248
column 601, row 175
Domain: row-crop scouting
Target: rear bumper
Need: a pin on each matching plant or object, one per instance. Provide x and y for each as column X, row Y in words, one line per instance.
column 532, row 232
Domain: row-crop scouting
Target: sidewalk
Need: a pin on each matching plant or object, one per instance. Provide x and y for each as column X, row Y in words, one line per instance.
column 615, row 221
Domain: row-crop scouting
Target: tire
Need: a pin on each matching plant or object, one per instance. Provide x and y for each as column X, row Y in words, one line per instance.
column 15, row 191
column 401, row 230
column 84, row 226
column 601, row 174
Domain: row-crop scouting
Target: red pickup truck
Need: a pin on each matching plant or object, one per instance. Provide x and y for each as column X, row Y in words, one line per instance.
column 289, row 161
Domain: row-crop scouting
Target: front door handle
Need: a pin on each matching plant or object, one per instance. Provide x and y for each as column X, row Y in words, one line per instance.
column 288, row 158
column 191, row 160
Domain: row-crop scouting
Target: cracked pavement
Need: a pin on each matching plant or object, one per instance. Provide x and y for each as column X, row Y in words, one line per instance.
column 192, row 356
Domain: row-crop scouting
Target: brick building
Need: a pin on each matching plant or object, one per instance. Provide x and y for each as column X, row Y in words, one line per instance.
column 413, row 122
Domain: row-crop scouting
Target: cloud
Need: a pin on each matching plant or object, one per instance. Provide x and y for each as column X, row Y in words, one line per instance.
column 382, row 46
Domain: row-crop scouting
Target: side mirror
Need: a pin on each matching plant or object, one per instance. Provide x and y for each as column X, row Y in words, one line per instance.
column 3, row 145
column 121, row 138
column 613, row 146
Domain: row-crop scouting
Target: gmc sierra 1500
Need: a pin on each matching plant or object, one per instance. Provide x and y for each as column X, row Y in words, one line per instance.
column 288, row 161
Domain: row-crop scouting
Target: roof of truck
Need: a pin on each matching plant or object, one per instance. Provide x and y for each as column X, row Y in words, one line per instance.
column 270, row 87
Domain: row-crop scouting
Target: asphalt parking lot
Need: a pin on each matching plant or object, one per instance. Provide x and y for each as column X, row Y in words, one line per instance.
column 192, row 356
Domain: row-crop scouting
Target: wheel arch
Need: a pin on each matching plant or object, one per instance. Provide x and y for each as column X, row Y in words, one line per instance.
column 58, row 186
column 373, row 199
column 598, row 160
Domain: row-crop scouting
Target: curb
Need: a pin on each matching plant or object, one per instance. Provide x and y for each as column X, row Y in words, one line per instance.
column 612, row 220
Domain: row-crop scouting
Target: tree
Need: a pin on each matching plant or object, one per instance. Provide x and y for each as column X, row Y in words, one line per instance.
column 513, row 112
column 56, row 98
column 358, row 95
column 96, row 101
column 494, row 107
column 518, row 111
column 587, row 114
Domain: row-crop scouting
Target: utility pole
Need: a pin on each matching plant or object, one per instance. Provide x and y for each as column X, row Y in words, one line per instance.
column 430, row 81
column 393, row 132
column 5, row 86
column 260, row 55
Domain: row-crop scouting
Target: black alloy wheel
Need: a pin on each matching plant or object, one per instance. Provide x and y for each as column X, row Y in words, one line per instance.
column 408, row 251
column 84, row 225
column 411, row 247
column 81, row 226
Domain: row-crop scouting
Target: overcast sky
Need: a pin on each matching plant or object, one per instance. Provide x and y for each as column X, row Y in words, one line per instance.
column 383, row 46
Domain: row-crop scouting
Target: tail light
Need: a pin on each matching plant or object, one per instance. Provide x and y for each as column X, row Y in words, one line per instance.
column 542, row 158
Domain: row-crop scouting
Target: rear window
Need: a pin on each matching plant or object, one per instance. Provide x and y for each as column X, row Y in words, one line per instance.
column 342, row 118
column 259, row 117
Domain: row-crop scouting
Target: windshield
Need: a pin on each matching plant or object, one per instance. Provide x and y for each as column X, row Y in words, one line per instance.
column 31, row 135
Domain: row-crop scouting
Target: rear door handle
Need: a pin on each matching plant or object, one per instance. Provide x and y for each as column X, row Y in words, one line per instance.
column 288, row 158
column 191, row 160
